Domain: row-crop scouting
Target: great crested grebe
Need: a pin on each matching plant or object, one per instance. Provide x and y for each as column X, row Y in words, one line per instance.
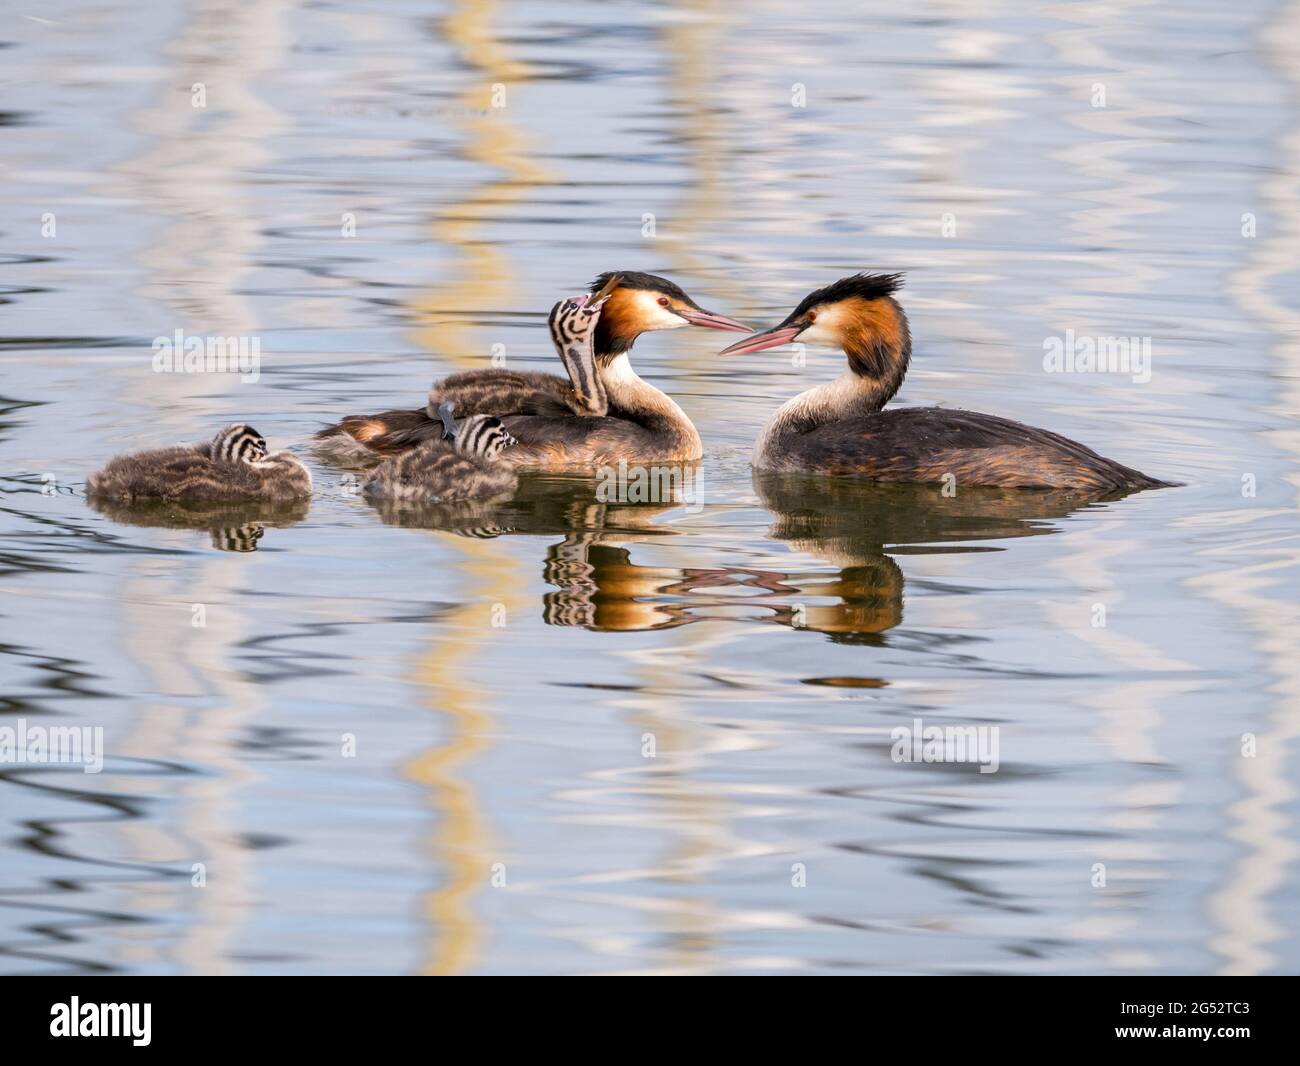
column 602, row 413
column 233, row 467
column 840, row 428
column 463, row 465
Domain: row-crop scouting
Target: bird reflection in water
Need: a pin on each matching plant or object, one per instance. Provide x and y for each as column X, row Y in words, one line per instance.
column 857, row 527
column 235, row 527
column 479, row 518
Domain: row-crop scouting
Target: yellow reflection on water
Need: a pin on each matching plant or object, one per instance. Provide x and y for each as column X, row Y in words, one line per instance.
column 482, row 275
column 462, row 842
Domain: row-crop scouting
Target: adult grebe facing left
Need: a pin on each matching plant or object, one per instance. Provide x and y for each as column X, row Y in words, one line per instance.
column 840, row 428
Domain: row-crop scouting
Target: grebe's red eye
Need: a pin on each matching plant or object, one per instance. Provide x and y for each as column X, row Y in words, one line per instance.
column 663, row 301
column 812, row 316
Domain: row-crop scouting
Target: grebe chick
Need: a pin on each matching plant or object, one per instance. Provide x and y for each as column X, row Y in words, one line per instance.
column 233, row 467
column 601, row 413
column 464, row 465
column 840, row 428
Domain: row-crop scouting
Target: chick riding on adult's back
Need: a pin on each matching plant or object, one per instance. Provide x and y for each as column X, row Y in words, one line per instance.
column 603, row 412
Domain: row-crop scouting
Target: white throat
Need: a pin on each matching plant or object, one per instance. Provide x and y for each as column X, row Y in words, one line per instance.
column 643, row 402
column 618, row 373
column 817, row 406
column 627, row 388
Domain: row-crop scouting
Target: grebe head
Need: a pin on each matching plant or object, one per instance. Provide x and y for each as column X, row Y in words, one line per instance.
column 575, row 319
column 483, row 435
column 638, row 303
column 239, row 443
column 857, row 314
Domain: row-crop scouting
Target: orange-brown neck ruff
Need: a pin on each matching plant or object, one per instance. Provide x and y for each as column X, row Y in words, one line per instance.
column 874, row 336
column 618, row 327
column 878, row 345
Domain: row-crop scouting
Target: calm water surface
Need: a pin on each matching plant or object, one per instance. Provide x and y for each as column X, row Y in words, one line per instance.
column 502, row 673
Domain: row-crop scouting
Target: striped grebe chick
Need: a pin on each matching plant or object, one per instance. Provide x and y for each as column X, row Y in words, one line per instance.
column 841, row 429
column 234, row 466
column 465, row 464
column 602, row 412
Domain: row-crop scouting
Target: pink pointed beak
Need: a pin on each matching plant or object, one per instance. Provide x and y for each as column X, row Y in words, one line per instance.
column 709, row 320
column 761, row 342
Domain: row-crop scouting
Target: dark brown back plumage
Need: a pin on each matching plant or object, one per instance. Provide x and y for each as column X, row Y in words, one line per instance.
column 932, row 444
column 363, row 440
